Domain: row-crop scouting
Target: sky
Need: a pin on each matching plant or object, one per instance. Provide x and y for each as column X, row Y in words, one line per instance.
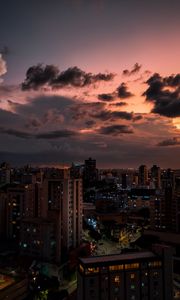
column 90, row 78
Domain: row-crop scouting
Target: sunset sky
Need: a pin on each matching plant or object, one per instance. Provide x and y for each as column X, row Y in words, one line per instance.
column 97, row 78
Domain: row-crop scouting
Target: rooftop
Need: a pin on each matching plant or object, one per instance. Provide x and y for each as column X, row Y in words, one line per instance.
column 119, row 257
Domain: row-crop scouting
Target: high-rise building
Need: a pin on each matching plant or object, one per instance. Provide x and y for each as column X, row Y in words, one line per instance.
column 38, row 239
column 141, row 275
column 124, row 178
column 176, row 206
column 3, row 215
column 5, row 174
column 156, row 176
column 64, row 196
column 18, row 196
column 168, row 185
column 143, row 175
column 57, row 210
column 90, row 171
column 167, row 179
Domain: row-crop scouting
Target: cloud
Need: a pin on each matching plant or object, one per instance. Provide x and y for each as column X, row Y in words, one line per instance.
column 81, row 111
column 3, row 66
column 136, row 68
column 122, row 91
column 97, row 110
column 16, row 133
column 12, row 119
column 105, row 115
column 164, row 93
column 106, row 97
column 119, row 104
column 7, row 89
column 42, row 110
column 115, row 130
column 56, row 134
column 137, row 117
column 173, row 80
column 170, row 142
column 64, row 133
column 90, row 123
column 100, row 144
column 40, row 76
column 33, row 123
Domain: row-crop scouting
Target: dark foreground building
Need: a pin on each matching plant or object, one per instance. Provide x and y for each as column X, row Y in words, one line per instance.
column 135, row 276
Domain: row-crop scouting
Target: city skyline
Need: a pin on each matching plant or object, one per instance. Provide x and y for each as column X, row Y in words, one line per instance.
column 83, row 79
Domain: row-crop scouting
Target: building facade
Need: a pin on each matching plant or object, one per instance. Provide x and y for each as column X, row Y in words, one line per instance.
column 55, row 224
column 141, row 275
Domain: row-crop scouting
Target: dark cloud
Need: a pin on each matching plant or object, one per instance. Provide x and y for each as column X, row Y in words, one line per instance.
column 115, row 130
column 11, row 119
column 78, row 78
column 64, row 133
column 164, row 93
column 136, row 68
column 106, row 97
column 56, row 134
column 119, row 104
column 16, row 133
column 122, row 91
column 137, row 118
column 44, row 109
column 40, row 76
column 172, row 81
column 170, row 142
column 105, row 115
column 81, row 111
column 90, row 123
column 33, row 123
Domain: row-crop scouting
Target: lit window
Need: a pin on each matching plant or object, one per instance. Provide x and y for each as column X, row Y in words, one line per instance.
column 81, row 268
column 116, row 268
column 117, row 279
column 92, row 270
column 132, row 266
column 155, row 264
